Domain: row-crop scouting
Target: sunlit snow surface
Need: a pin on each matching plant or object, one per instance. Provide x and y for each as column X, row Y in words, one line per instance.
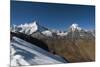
column 74, row 27
column 24, row 53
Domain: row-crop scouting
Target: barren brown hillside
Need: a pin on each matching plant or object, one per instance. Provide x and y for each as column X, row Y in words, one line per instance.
column 81, row 50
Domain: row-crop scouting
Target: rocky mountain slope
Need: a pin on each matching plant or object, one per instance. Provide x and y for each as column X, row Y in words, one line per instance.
column 75, row 44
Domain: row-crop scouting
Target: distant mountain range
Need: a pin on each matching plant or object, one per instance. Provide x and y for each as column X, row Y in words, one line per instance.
column 34, row 27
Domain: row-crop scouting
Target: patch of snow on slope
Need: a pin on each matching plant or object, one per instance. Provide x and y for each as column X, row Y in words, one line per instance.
column 24, row 53
column 47, row 33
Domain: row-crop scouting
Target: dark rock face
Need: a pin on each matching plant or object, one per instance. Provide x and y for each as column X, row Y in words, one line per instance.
column 30, row 39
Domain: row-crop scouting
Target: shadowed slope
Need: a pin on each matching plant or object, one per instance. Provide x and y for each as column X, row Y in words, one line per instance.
column 30, row 39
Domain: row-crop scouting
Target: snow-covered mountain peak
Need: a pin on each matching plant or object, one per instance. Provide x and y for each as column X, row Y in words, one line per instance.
column 33, row 24
column 27, row 28
column 74, row 27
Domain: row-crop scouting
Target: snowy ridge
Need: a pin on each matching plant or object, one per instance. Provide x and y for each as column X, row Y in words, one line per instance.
column 47, row 33
column 35, row 27
column 24, row 53
column 25, row 28
column 31, row 28
column 28, row 28
column 62, row 33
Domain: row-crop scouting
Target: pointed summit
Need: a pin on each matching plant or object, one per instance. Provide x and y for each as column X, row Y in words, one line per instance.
column 74, row 27
column 28, row 28
column 33, row 24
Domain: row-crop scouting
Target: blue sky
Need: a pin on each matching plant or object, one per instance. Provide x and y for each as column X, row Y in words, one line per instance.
column 53, row 16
